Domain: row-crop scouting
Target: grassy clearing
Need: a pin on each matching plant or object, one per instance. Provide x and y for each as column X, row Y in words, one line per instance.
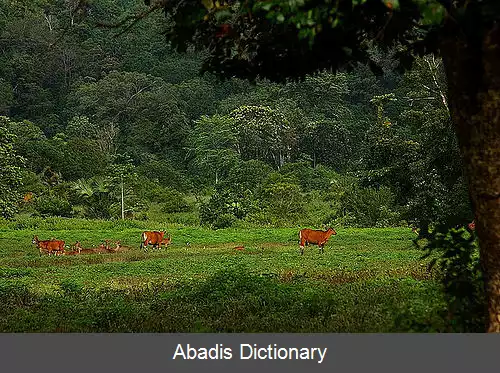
column 363, row 282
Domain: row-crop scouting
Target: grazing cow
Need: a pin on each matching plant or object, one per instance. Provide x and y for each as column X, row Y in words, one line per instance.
column 240, row 248
column 49, row 246
column 316, row 237
column 154, row 238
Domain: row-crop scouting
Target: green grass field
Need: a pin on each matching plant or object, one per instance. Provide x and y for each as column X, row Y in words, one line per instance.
column 367, row 280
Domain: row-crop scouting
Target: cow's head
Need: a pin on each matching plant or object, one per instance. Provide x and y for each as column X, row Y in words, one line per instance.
column 331, row 231
column 35, row 239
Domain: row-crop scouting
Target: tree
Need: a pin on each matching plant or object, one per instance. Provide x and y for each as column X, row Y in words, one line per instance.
column 279, row 39
column 10, row 171
column 264, row 134
column 212, row 145
column 141, row 106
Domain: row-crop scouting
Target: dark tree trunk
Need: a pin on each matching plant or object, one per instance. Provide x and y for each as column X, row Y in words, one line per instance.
column 472, row 64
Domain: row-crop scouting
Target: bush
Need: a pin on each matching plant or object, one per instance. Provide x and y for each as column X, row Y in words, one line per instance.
column 461, row 276
column 362, row 207
column 224, row 221
column 283, row 201
column 237, row 203
column 308, row 177
column 53, row 206
column 173, row 201
column 456, row 262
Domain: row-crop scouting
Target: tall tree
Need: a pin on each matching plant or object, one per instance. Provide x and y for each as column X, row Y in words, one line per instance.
column 212, row 145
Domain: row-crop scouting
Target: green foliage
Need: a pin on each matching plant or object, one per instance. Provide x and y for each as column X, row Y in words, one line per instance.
column 53, row 206
column 247, row 175
column 96, row 195
column 309, row 178
column 165, row 174
column 263, row 133
column 456, row 253
column 10, row 171
column 362, row 207
column 225, row 206
column 173, row 201
column 212, row 145
column 282, row 201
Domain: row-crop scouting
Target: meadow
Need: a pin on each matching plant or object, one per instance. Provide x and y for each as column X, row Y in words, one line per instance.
column 367, row 280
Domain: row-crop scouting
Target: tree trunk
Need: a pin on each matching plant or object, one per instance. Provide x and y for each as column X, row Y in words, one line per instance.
column 123, row 202
column 472, row 64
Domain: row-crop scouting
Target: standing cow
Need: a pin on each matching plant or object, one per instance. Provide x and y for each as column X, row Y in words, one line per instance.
column 316, row 237
column 49, row 246
column 154, row 238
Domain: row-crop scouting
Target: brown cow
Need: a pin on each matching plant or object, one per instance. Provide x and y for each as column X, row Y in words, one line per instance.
column 49, row 246
column 316, row 237
column 154, row 238
column 110, row 249
column 102, row 248
column 76, row 249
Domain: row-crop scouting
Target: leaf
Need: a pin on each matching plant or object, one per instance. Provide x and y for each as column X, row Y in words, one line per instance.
column 432, row 13
column 392, row 4
column 280, row 18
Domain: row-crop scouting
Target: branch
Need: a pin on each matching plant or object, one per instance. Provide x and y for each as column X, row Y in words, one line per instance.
column 135, row 18
column 443, row 97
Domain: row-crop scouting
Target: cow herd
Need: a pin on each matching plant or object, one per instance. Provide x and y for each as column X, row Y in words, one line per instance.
column 158, row 239
column 58, row 247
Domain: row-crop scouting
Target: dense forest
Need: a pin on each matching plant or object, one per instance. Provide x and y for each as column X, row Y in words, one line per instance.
column 99, row 125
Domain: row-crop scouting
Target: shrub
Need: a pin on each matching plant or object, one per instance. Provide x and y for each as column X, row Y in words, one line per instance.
column 53, row 206
column 236, row 202
column 173, row 201
column 362, row 207
column 461, row 277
